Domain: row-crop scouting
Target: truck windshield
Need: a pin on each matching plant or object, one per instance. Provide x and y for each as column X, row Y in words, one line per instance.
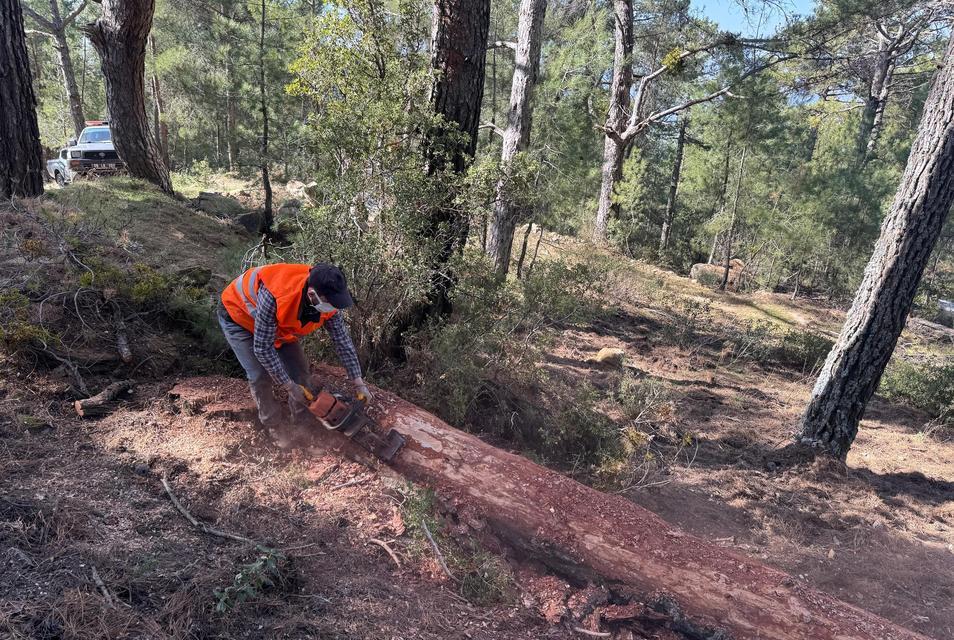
column 94, row 135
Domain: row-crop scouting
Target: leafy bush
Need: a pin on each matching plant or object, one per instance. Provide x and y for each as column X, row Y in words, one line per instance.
column 253, row 579
column 927, row 386
column 804, row 349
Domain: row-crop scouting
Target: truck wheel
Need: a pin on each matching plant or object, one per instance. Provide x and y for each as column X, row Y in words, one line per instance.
column 60, row 180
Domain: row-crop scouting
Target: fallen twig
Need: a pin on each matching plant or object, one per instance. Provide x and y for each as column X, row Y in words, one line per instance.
column 592, row 634
column 122, row 339
column 212, row 531
column 327, row 472
column 102, row 402
column 384, row 545
column 102, row 587
column 437, row 551
column 350, row 483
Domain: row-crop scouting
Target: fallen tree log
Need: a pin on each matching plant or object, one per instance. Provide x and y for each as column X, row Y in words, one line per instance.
column 103, row 402
column 583, row 533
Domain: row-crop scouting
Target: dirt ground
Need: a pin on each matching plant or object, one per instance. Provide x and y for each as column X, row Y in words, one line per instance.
column 84, row 497
column 877, row 532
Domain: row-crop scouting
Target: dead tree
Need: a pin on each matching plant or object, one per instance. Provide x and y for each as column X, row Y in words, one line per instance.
column 577, row 531
column 516, row 137
column 21, row 160
column 55, row 27
column 909, row 233
column 119, row 37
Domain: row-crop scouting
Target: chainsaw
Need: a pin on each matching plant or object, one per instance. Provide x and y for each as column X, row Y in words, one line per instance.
column 339, row 414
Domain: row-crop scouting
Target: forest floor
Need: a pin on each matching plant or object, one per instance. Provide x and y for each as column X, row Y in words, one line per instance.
column 85, row 518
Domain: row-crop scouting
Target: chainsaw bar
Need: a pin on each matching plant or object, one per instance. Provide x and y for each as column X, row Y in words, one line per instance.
column 349, row 418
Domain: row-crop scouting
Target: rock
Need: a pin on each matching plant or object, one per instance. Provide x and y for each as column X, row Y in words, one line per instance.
column 218, row 205
column 610, row 355
column 252, row 221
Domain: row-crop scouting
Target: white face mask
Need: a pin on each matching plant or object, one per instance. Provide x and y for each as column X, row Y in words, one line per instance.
column 318, row 305
column 324, row 307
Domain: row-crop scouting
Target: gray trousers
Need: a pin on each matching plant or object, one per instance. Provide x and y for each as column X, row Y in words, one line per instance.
column 260, row 383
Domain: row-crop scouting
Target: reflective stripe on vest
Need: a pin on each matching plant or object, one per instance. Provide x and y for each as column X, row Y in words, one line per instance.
column 240, row 287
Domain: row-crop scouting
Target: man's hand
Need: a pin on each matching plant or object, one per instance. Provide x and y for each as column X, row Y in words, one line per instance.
column 361, row 391
column 296, row 392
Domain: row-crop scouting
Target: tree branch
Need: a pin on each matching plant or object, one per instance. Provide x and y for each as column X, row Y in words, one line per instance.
column 494, row 128
column 635, row 126
column 78, row 10
column 37, row 18
column 37, row 32
column 502, row 44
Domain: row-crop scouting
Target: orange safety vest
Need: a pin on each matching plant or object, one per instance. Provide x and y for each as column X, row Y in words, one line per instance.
column 286, row 282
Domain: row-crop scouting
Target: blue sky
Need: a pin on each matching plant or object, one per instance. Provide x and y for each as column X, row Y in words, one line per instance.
column 761, row 19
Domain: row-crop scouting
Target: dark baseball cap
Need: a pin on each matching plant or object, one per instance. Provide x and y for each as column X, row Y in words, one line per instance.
column 330, row 284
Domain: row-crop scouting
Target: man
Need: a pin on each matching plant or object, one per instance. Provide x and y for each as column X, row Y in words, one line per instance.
column 264, row 313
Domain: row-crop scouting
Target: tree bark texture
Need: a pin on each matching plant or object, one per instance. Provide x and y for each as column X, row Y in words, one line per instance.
column 459, row 51
column 670, row 214
column 119, row 37
column 909, row 233
column 579, row 532
column 516, row 137
column 613, row 147
column 159, row 110
column 21, row 160
column 459, row 41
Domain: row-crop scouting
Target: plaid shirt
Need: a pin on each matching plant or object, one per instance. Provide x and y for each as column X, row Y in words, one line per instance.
column 266, row 324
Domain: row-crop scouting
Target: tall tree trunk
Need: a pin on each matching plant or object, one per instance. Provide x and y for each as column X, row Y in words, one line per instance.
column 459, row 52
column 55, row 27
column 21, row 161
column 162, row 129
column 730, row 233
column 459, row 41
column 266, row 227
column 673, row 187
column 119, row 37
column 66, row 65
column 909, row 233
column 613, row 147
column 231, row 113
column 516, row 137
column 875, row 102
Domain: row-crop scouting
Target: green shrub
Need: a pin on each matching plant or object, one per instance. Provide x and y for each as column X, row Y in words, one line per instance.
column 925, row 385
column 264, row 573
column 806, row 350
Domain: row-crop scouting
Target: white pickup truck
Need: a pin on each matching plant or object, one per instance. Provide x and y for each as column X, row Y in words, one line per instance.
column 92, row 154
